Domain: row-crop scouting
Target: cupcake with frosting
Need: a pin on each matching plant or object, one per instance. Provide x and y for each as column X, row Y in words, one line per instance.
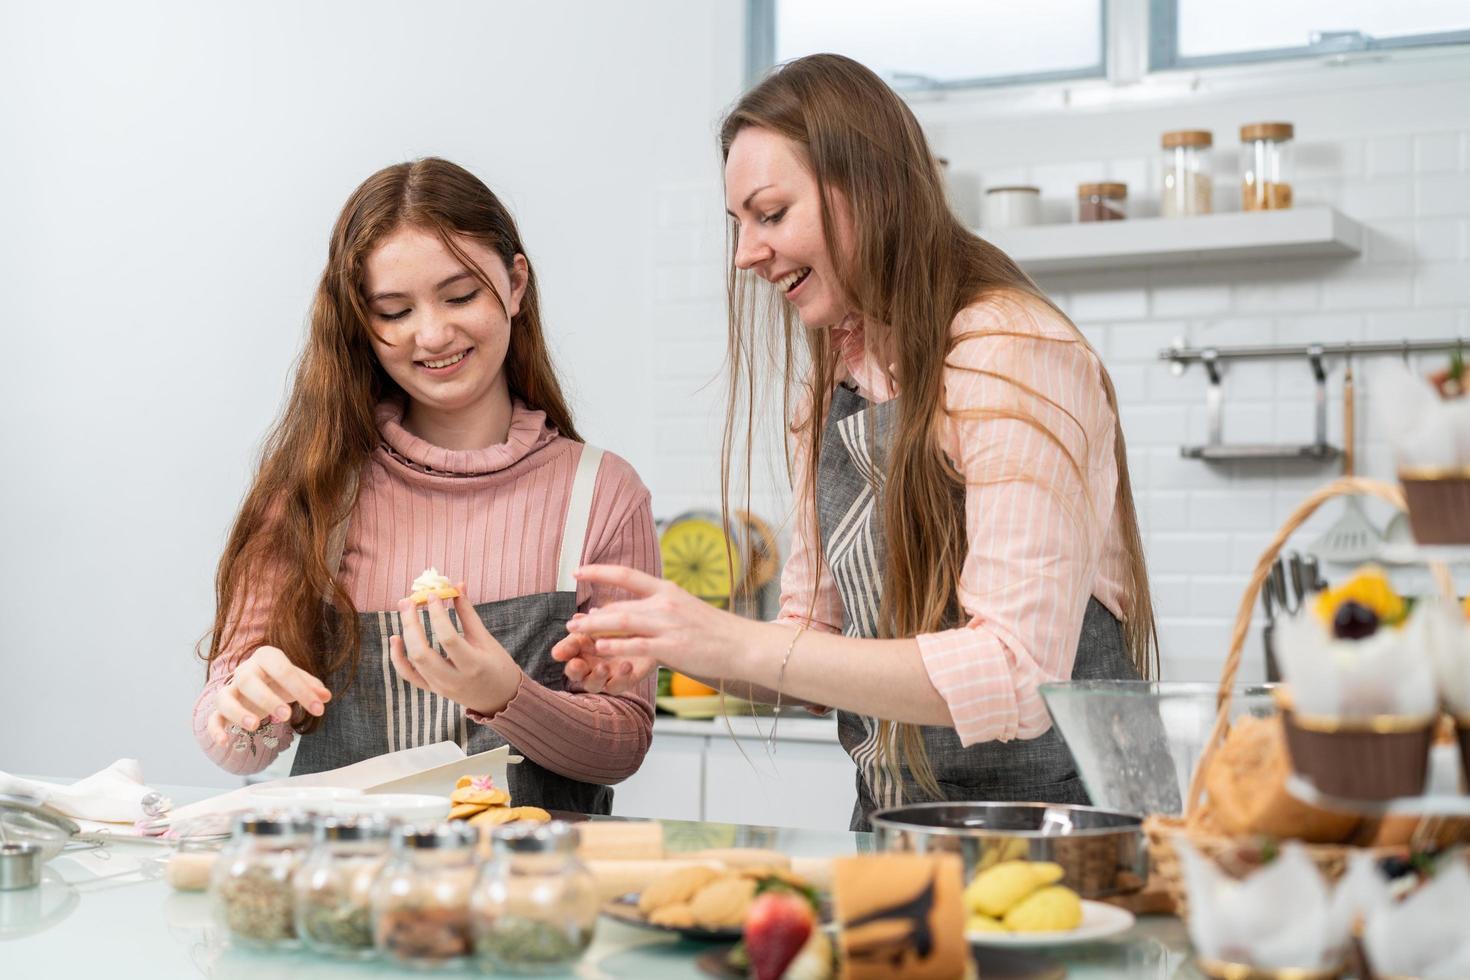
column 1361, row 700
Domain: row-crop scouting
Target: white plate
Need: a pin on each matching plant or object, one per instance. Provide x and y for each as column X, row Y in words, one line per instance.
column 1099, row 919
column 408, row 807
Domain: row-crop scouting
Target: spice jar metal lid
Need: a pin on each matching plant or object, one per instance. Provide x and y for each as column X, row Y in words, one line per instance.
column 273, row 824
column 357, row 828
column 20, row 865
column 1272, row 131
column 1105, row 189
column 1187, row 137
column 1013, row 189
column 452, row 835
column 557, row 837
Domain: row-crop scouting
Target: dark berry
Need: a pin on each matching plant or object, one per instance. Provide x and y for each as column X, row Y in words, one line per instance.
column 1354, row 621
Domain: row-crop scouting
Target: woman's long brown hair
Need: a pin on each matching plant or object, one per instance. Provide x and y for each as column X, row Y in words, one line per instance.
column 305, row 485
column 912, row 267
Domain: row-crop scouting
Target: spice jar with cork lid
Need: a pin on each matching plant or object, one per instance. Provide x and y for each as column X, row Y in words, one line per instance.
column 421, row 899
column 251, row 881
column 1107, row 201
column 1188, row 184
column 334, row 885
column 535, row 905
column 1266, row 166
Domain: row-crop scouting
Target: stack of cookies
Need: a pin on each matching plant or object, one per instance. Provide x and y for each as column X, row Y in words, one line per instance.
column 478, row 800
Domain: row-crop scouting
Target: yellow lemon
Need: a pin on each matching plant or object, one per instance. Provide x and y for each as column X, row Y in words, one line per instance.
column 996, row 889
column 983, row 923
column 1052, row 909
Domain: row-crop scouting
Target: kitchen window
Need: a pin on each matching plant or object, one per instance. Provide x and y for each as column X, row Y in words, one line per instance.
column 924, row 45
column 1203, row 33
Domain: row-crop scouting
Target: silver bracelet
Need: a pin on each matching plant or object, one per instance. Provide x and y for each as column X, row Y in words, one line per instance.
column 780, row 680
column 246, row 739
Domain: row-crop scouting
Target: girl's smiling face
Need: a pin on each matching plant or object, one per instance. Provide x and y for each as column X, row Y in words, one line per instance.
column 772, row 195
column 439, row 332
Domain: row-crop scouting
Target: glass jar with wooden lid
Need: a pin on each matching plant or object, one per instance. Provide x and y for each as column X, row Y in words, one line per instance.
column 1266, row 166
column 1188, row 182
column 1107, row 201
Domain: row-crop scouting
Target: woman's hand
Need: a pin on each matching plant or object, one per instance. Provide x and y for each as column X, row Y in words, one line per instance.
column 599, row 675
column 265, row 687
column 475, row 671
column 667, row 625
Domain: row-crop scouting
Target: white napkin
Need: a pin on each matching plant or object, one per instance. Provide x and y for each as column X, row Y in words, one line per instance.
column 1388, row 673
column 1424, row 935
column 1449, row 643
column 1424, row 429
column 1280, row 917
column 113, row 795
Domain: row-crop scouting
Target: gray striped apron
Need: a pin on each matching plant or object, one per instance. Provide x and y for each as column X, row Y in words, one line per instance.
column 850, row 519
column 380, row 711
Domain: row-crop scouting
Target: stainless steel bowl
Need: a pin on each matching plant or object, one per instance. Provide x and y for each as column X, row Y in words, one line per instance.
column 1102, row 851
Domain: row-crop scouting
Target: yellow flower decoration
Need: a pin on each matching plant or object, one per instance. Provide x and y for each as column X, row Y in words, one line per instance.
column 1371, row 588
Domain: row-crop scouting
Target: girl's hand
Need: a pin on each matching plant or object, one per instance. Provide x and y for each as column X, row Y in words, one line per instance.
column 265, row 687
column 475, row 671
column 599, row 675
column 667, row 625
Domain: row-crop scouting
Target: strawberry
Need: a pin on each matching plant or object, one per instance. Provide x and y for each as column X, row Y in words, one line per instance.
column 776, row 927
column 778, row 924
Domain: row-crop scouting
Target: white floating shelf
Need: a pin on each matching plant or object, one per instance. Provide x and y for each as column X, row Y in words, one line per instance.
column 1315, row 232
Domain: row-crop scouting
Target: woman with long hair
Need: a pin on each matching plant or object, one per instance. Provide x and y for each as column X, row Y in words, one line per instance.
column 426, row 428
column 965, row 529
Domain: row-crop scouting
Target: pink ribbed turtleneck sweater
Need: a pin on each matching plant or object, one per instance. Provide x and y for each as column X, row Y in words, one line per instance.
column 492, row 518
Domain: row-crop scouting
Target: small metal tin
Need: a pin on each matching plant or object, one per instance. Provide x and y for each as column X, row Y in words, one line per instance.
column 20, row 866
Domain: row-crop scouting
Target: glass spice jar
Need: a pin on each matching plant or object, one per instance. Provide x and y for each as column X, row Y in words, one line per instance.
column 1266, row 166
column 1188, row 185
column 1102, row 202
column 421, row 897
column 535, row 905
column 334, row 885
column 251, row 882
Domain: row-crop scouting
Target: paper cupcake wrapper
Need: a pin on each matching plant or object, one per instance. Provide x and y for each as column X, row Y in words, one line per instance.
column 1439, row 505
column 1378, row 759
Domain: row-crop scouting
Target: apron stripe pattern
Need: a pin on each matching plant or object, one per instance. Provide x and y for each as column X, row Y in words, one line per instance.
column 852, row 556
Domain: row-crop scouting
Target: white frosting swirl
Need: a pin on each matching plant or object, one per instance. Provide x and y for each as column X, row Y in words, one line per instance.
column 431, row 580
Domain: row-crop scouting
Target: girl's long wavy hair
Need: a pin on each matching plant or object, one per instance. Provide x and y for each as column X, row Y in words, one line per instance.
column 305, row 485
column 913, row 267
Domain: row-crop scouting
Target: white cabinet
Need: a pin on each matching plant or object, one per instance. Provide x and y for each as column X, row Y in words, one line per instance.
column 696, row 770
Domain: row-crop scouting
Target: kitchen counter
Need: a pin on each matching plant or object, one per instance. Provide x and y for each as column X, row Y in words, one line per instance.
column 109, row 912
column 793, row 728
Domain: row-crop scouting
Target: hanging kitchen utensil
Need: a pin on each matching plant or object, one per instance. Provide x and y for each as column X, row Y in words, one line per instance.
column 1353, row 538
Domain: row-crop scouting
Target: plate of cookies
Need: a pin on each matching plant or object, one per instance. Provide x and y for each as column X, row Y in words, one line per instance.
column 702, row 903
column 480, row 801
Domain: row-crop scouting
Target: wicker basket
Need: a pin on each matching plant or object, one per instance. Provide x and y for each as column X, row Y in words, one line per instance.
column 1240, row 855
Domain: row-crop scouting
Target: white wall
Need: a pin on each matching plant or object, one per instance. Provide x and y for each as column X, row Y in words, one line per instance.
column 170, row 172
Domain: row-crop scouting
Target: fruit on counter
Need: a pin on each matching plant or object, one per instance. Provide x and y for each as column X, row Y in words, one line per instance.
column 999, row 888
column 976, row 922
column 1050, row 909
column 777, row 926
column 682, row 686
column 1370, row 589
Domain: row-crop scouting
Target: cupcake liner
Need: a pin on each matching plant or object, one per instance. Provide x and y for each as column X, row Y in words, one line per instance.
column 1377, row 759
column 1462, row 731
column 1439, row 505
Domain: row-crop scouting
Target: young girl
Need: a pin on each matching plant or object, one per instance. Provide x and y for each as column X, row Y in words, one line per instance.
column 965, row 529
column 426, row 427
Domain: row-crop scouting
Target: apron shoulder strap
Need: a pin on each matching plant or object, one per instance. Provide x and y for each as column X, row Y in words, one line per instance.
column 579, row 513
column 337, row 540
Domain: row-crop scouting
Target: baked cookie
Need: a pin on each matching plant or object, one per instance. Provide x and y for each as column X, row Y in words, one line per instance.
column 496, row 815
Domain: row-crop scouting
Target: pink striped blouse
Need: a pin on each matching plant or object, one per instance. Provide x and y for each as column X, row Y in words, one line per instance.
column 492, row 518
column 1042, row 539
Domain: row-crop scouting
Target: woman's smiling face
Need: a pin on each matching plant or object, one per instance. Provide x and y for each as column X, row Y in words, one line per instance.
column 772, row 195
column 439, row 332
